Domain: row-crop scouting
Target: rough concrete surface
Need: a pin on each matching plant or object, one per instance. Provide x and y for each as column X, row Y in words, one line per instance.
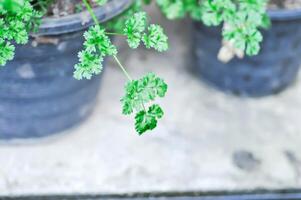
column 207, row 140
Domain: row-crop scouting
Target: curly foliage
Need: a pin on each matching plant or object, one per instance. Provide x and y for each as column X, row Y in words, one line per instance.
column 139, row 92
column 117, row 24
column 16, row 22
column 135, row 30
column 155, row 38
column 242, row 18
column 96, row 46
column 147, row 120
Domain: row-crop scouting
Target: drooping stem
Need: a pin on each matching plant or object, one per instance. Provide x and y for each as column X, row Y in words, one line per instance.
column 118, row 34
column 91, row 12
column 129, row 78
column 122, row 68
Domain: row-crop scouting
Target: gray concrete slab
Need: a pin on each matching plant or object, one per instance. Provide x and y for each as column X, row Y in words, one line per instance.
column 207, row 140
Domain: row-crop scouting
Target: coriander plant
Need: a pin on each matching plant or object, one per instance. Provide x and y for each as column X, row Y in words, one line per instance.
column 18, row 18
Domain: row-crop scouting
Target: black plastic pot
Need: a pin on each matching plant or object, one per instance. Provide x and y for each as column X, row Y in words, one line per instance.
column 270, row 72
column 38, row 94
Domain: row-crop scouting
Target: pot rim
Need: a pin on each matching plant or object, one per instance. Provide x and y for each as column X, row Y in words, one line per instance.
column 285, row 14
column 82, row 20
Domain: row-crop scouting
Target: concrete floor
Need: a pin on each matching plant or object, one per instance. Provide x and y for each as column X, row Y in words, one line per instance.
column 206, row 141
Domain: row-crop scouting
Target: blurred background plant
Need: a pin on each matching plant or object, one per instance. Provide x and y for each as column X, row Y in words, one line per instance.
column 241, row 19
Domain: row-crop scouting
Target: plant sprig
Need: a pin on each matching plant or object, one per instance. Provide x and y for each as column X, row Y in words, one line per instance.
column 16, row 22
column 138, row 93
column 137, row 30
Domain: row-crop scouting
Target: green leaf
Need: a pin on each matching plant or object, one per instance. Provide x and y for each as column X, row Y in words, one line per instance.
column 215, row 11
column 140, row 92
column 90, row 64
column 101, row 2
column 134, row 27
column 12, row 6
column 237, row 15
column 253, row 42
column 145, row 121
column 117, row 24
column 97, row 45
column 96, row 40
column 172, row 9
column 155, row 38
column 6, row 52
column 18, row 18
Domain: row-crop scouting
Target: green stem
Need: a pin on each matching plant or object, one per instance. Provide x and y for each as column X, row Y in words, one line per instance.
column 118, row 34
column 97, row 22
column 90, row 10
column 142, row 103
column 122, row 68
column 129, row 77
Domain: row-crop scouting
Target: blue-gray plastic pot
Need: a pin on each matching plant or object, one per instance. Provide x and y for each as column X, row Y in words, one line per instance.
column 270, row 72
column 38, row 94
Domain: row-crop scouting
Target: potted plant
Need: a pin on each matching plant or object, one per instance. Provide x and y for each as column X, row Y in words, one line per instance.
column 257, row 58
column 41, row 59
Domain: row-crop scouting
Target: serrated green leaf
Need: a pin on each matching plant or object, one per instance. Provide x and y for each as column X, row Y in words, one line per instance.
column 143, row 90
column 155, row 38
column 6, row 52
column 147, row 120
column 97, row 45
column 140, row 92
column 18, row 18
column 237, row 16
column 89, row 64
column 134, row 27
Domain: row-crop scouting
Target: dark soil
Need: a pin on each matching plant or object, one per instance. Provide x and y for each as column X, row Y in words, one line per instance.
column 64, row 7
column 59, row 8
